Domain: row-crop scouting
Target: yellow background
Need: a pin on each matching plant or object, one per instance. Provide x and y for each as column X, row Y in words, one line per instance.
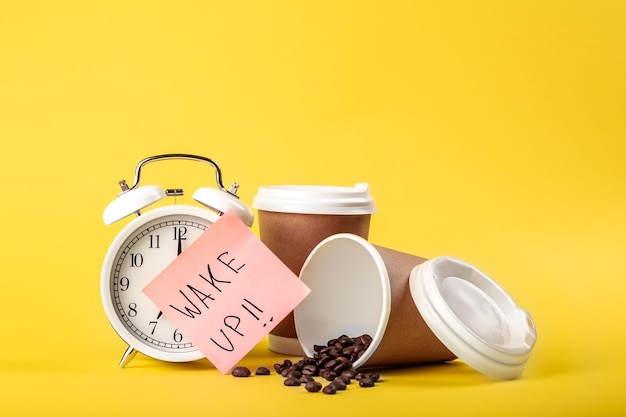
column 492, row 131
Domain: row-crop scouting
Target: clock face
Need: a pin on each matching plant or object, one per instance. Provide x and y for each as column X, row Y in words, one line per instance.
column 139, row 253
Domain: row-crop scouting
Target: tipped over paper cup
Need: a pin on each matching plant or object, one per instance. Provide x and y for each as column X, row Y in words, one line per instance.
column 293, row 219
column 416, row 310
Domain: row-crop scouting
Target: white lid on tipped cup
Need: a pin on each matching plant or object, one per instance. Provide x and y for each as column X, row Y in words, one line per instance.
column 315, row 199
column 473, row 316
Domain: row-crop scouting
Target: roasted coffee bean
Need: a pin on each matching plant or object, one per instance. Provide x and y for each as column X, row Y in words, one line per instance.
column 262, row 370
column 294, row 374
column 280, row 367
column 348, row 351
column 313, row 386
column 309, row 370
column 328, row 375
column 292, row 382
column 366, row 382
column 322, row 359
column 341, row 365
column 336, row 351
column 346, row 341
column 331, row 364
column 329, row 389
column 240, row 371
column 350, row 373
column 346, row 379
column 339, row 384
column 306, row 378
column 373, row 376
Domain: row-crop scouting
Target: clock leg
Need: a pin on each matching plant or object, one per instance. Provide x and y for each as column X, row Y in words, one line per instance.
column 128, row 356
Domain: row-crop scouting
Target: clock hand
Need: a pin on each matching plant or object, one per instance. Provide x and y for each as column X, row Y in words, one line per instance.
column 160, row 314
column 180, row 246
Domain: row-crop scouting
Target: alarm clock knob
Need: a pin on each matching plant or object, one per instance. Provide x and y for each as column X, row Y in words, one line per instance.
column 132, row 201
column 222, row 202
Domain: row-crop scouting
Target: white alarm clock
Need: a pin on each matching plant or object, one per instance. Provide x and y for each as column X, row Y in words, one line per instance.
column 148, row 244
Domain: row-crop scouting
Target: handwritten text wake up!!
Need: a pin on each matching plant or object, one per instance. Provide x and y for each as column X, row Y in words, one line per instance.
column 199, row 299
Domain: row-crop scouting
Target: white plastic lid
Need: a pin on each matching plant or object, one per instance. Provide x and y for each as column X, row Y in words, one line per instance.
column 315, row 199
column 473, row 316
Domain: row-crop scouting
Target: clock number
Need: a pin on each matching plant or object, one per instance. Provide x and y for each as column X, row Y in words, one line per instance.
column 178, row 337
column 132, row 310
column 124, row 283
column 136, row 260
column 154, row 241
column 180, row 233
column 154, row 323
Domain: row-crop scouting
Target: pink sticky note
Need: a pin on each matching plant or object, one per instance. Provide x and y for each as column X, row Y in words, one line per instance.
column 226, row 291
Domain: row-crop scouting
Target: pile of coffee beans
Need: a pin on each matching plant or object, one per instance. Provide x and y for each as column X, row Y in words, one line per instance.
column 331, row 362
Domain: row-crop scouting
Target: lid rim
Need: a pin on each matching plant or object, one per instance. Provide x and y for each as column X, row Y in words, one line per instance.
column 313, row 199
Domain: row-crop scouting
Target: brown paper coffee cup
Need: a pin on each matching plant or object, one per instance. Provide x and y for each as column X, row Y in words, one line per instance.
column 294, row 219
column 359, row 288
